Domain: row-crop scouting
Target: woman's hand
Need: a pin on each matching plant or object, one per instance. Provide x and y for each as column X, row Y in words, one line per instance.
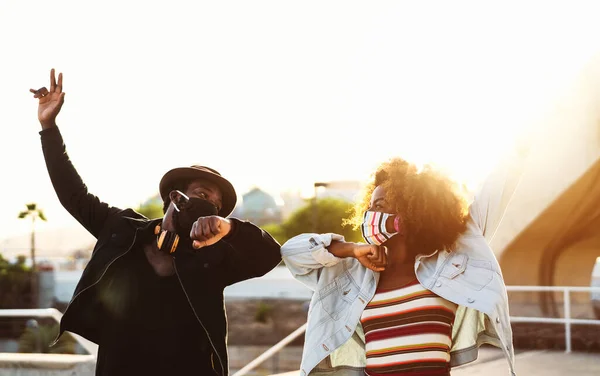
column 371, row 256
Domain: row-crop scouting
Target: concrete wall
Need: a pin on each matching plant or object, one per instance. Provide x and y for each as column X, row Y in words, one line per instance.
column 15, row 364
column 12, row 364
column 549, row 232
column 557, row 248
column 562, row 146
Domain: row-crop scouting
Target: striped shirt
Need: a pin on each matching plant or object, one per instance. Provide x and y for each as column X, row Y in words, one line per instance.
column 408, row 331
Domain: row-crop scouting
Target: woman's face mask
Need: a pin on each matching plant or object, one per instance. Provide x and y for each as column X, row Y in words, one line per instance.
column 373, row 227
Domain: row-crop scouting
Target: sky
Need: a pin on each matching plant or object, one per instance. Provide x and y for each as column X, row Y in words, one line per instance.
column 276, row 94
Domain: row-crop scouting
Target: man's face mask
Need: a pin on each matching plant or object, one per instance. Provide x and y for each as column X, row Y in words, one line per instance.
column 373, row 227
column 188, row 210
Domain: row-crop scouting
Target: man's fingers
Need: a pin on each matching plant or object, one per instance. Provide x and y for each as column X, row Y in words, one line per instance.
column 206, row 228
column 39, row 92
column 205, row 232
column 197, row 232
column 197, row 244
column 59, row 85
column 52, row 80
column 215, row 226
column 194, row 230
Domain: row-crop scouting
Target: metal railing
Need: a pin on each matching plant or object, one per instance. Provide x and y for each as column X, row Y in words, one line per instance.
column 55, row 314
column 567, row 321
column 272, row 351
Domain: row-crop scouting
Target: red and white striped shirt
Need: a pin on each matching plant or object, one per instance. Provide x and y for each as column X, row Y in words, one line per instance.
column 408, row 331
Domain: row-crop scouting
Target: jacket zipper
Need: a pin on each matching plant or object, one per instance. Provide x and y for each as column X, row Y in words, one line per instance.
column 94, row 284
column 197, row 318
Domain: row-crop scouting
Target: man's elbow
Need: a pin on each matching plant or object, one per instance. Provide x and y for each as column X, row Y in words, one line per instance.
column 274, row 256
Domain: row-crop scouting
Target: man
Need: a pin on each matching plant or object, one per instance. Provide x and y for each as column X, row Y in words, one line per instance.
column 151, row 296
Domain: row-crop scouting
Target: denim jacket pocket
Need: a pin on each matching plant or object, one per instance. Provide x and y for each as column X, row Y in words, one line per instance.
column 468, row 272
column 336, row 297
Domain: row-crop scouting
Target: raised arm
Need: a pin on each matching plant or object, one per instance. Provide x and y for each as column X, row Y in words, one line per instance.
column 72, row 193
column 495, row 195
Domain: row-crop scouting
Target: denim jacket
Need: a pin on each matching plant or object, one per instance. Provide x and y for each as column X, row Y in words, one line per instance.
column 469, row 276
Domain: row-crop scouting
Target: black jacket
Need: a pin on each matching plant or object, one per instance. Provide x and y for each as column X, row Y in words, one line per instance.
column 246, row 252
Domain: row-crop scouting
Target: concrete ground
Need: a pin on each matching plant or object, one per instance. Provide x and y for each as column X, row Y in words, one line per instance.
column 538, row 362
column 528, row 363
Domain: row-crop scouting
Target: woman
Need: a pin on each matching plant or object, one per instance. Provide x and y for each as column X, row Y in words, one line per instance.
column 419, row 298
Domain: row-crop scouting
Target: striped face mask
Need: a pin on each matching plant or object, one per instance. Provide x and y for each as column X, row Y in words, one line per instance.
column 373, row 227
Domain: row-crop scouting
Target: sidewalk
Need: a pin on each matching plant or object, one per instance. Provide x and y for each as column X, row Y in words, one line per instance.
column 539, row 362
column 530, row 363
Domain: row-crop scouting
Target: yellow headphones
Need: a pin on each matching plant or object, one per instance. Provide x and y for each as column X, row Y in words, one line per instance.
column 166, row 240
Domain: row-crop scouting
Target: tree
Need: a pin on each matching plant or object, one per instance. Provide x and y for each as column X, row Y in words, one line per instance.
column 277, row 231
column 37, row 339
column 330, row 214
column 34, row 213
column 15, row 284
column 151, row 209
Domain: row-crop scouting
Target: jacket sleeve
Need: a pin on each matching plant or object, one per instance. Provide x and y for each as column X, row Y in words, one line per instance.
column 494, row 196
column 252, row 252
column 306, row 254
column 72, row 193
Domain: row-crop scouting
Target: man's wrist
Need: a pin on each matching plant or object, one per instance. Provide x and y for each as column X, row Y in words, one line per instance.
column 231, row 231
column 48, row 124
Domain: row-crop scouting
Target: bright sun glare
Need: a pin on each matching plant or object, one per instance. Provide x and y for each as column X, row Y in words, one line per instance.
column 275, row 103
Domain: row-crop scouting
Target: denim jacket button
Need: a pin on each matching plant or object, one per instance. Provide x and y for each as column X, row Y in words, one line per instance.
column 438, row 284
column 470, row 300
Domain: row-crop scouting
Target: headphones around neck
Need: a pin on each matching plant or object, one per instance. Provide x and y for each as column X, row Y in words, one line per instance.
column 166, row 241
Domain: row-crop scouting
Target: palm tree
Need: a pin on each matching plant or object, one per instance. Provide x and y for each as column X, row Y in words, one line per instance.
column 34, row 212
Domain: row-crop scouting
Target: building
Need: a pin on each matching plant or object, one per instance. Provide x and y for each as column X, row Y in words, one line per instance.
column 549, row 234
column 259, row 207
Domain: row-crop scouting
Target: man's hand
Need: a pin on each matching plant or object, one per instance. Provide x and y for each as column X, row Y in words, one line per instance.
column 50, row 101
column 209, row 230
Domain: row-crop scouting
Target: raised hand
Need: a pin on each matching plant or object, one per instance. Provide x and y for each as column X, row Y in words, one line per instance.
column 50, row 101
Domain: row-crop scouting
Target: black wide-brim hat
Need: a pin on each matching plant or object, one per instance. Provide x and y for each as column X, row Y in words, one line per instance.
column 172, row 180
